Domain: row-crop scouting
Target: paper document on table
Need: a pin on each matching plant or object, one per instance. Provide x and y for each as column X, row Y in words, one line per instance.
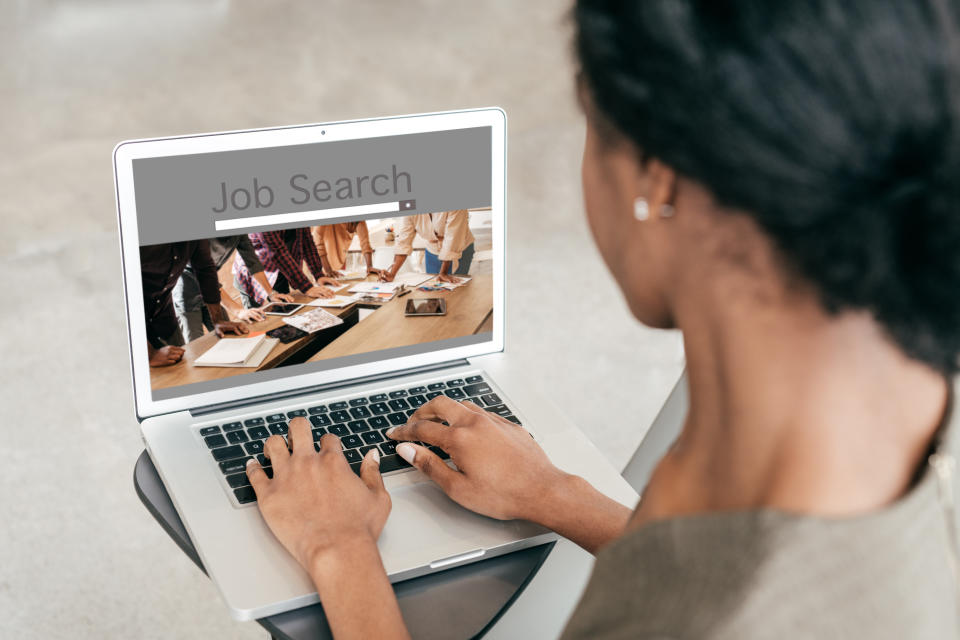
column 374, row 287
column 237, row 352
column 436, row 285
column 313, row 321
column 412, row 278
column 338, row 301
column 351, row 275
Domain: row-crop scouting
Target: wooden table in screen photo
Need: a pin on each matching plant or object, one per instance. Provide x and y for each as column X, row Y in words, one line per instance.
column 469, row 311
column 185, row 373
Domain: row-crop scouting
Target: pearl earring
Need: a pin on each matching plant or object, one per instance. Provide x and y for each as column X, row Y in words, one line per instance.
column 641, row 210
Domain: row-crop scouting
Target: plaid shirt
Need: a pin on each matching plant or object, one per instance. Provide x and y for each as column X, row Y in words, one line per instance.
column 280, row 256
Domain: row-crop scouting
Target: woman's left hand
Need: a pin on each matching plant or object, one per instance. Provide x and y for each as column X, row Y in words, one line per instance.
column 315, row 504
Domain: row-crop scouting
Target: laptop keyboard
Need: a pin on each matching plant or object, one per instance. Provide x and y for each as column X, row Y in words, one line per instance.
column 361, row 424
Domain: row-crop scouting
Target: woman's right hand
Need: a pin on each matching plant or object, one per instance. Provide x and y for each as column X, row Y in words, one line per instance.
column 503, row 473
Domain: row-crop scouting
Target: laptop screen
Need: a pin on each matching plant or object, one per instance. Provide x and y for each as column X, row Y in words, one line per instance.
column 260, row 264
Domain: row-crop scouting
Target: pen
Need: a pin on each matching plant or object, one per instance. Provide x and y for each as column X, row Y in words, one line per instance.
column 405, row 293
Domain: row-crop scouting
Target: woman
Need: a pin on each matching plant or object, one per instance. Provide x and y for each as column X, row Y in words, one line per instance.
column 282, row 254
column 778, row 180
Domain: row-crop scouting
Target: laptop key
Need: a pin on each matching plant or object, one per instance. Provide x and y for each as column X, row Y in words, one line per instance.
column 380, row 409
column 492, row 399
column 513, row 419
column 456, row 383
column 397, row 419
column 477, row 389
column 417, row 401
column 392, row 463
column 417, row 391
column 318, row 409
column 254, row 447
column 399, row 404
column 398, row 394
column 215, row 441
column 500, row 410
column 227, row 453
column 456, row 394
column 378, row 397
column 253, row 422
column 339, row 430
column 363, row 450
column 389, row 448
column 338, row 406
column 233, row 466
column 436, row 386
column 355, row 467
column 351, row 441
column 232, row 426
column 433, row 394
column 237, row 437
column 473, row 379
column 297, row 413
column 238, row 480
column 276, row 417
column 360, row 412
column 279, row 429
column 340, row 416
column 357, row 402
column 440, row 452
column 318, row 433
column 209, row 431
column 410, row 412
column 258, row 433
column 378, row 422
column 372, row 437
column 477, row 401
column 356, row 426
column 321, row 420
column 352, row 455
column 245, row 495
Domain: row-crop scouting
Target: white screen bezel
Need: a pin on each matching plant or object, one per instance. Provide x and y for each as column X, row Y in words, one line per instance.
column 123, row 156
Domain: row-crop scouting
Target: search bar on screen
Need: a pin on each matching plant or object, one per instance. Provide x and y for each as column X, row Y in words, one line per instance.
column 315, row 216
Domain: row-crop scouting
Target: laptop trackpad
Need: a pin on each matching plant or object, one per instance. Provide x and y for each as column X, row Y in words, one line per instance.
column 425, row 526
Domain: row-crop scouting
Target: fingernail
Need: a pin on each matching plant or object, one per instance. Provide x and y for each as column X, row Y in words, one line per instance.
column 407, row 451
column 250, row 461
column 390, row 432
column 375, row 455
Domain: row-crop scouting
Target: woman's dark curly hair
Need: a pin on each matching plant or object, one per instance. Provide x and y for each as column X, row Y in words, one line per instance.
column 834, row 124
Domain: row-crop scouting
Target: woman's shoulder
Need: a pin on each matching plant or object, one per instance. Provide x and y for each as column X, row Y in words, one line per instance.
column 760, row 574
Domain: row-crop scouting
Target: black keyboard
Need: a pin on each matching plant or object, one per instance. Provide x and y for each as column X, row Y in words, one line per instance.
column 361, row 424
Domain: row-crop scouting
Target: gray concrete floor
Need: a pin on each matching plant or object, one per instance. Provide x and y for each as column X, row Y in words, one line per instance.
column 79, row 556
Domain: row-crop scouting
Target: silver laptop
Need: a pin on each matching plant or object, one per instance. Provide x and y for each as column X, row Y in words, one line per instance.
column 357, row 369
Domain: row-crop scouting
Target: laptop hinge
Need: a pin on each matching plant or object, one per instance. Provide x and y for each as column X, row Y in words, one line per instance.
column 270, row 397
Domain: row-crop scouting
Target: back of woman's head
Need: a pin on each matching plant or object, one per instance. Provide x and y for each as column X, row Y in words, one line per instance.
column 833, row 124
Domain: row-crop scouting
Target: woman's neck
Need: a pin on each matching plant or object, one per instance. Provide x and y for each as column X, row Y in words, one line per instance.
column 791, row 409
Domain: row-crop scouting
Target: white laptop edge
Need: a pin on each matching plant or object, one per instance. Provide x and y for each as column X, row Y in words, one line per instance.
column 124, row 154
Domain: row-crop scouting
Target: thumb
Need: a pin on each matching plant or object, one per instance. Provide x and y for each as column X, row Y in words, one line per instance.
column 370, row 471
column 431, row 465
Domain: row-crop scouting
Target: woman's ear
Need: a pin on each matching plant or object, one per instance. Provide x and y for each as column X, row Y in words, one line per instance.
column 660, row 186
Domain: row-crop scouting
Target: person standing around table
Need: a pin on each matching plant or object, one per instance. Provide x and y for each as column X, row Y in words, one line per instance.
column 333, row 242
column 282, row 254
column 449, row 249
column 161, row 266
column 188, row 299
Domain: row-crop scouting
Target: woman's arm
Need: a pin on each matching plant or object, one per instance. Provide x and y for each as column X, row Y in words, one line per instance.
column 329, row 520
column 503, row 473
